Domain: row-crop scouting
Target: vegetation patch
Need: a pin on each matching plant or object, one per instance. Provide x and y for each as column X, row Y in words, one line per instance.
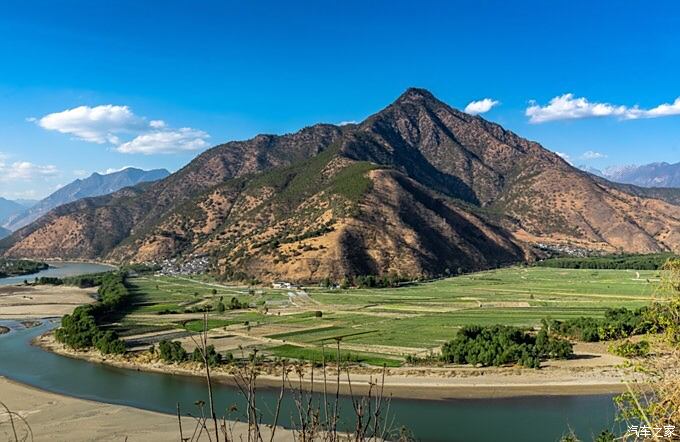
column 499, row 345
column 20, row 267
column 628, row 349
column 81, row 329
column 197, row 325
column 329, row 354
column 652, row 261
column 617, row 323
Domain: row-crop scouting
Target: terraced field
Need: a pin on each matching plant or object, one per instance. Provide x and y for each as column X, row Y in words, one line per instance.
column 383, row 324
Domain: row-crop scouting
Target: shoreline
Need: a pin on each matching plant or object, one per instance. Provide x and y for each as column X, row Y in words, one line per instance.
column 444, row 384
column 60, row 417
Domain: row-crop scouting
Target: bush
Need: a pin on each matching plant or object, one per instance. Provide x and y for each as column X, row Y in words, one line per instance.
column 172, row 352
column 214, row 358
column 234, row 304
column 498, row 345
column 628, row 349
column 108, row 343
column 617, row 323
column 371, row 281
column 318, row 314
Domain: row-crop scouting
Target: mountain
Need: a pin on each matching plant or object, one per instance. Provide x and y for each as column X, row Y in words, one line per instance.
column 648, row 175
column 592, row 170
column 95, row 185
column 9, row 208
column 4, row 233
column 26, row 202
column 417, row 189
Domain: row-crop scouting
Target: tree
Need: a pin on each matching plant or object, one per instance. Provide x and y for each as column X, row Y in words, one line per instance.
column 172, row 351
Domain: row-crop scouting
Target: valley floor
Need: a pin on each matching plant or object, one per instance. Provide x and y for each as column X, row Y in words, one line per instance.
column 380, row 326
column 592, row 371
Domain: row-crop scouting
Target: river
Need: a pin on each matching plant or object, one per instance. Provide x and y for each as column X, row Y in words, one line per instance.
column 59, row 269
column 531, row 418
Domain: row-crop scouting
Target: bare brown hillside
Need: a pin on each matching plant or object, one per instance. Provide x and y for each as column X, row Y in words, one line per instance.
column 417, row 189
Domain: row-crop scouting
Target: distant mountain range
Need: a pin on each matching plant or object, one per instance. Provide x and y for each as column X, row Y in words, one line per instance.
column 4, row 232
column 648, row 175
column 417, row 189
column 95, row 185
column 9, row 208
column 26, row 202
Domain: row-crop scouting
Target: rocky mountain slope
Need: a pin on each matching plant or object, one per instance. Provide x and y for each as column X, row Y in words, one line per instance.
column 417, row 189
column 95, row 185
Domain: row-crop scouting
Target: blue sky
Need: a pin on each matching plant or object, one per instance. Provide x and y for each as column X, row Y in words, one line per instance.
column 91, row 86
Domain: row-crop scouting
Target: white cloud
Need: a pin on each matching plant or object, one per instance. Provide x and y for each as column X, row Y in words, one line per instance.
column 480, row 106
column 157, row 124
column 166, row 141
column 80, row 173
column 662, row 110
column 592, row 155
column 114, row 170
column 99, row 124
column 25, row 194
column 25, row 171
column 345, row 123
column 565, row 156
column 567, row 107
column 108, row 123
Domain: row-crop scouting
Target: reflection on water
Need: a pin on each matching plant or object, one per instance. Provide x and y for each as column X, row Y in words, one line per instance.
column 516, row 419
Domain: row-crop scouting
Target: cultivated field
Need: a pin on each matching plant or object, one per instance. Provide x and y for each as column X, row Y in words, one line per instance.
column 375, row 325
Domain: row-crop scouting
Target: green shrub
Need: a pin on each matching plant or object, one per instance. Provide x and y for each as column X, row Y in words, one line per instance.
column 172, row 352
column 499, row 345
column 617, row 323
column 628, row 349
column 108, row 343
column 214, row 358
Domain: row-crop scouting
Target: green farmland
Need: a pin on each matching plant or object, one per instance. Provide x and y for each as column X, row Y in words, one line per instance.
column 378, row 324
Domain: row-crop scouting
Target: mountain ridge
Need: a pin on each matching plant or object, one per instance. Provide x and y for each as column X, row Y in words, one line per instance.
column 95, row 185
column 660, row 174
column 417, row 189
column 9, row 208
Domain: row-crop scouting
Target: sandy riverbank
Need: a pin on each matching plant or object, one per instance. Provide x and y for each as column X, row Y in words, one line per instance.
column 35, row 302
column 588, row 374
column 54, row 417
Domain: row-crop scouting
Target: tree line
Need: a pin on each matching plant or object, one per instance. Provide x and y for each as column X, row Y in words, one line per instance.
column 617, row 323
column 652, row 261
column 81, row 329
column 20, row 267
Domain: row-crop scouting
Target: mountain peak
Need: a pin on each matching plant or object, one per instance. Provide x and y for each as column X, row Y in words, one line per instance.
column 416, row 94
